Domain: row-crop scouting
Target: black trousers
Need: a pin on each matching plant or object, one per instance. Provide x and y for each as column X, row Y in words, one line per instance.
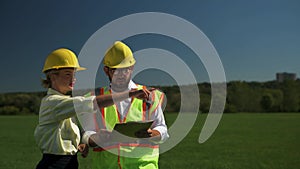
column 52, row 161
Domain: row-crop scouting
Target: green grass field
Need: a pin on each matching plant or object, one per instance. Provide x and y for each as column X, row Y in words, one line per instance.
column 241, row 141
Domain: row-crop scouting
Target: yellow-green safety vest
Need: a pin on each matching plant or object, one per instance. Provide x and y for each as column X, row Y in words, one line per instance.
column 147, row 151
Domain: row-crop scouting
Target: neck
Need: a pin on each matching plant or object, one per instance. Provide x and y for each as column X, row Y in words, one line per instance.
column 59, row 90
column 119, row 89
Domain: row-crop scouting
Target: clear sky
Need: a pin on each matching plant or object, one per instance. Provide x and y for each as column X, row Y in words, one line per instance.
column 254, row 39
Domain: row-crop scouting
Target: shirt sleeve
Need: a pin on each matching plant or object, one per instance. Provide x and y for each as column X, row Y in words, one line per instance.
column 159, row 124
column 87, row 121
column 70, row 106
column 86, row 136
column 57, row 108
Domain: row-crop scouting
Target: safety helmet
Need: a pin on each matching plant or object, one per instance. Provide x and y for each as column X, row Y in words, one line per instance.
column 119, row 55
column 62, row 58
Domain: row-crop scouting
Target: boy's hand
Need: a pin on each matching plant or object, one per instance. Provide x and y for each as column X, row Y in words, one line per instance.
column 83, row 149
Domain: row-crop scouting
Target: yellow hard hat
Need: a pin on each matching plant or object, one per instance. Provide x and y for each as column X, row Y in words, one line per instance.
column 62, row 58
column 118, row 56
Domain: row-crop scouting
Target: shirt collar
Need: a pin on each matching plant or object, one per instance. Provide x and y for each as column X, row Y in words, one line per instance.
column 132, row 85
column 53, row 92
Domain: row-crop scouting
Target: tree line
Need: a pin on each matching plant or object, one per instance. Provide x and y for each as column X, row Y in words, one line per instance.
column 242, row 96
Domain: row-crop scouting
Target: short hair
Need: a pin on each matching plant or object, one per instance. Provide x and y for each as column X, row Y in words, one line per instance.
column 46, row 83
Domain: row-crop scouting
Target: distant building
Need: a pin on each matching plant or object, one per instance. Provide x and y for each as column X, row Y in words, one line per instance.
column 280, row 77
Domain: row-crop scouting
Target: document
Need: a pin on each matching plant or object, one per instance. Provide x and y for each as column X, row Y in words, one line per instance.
column 136, row 129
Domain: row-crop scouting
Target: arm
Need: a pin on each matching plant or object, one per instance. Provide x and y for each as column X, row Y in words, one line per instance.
column 56, row 107
column 63, row 106
column 158, row 131
column 110, row 99
column 93, row 138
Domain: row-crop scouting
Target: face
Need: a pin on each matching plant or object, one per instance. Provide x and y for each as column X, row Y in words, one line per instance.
column 119, row 78
column 63, row 80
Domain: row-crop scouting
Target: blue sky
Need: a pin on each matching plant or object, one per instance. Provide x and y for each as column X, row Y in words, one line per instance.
column 254, row 39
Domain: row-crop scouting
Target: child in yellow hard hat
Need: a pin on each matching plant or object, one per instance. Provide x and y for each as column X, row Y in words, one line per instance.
column 57, row 134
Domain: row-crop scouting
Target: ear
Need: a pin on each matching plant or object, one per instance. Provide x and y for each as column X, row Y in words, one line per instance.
column 52, row 79
column 51, row 76
column 106, row 70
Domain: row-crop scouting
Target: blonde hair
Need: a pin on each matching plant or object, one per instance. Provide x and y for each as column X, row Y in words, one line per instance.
column 46, row 83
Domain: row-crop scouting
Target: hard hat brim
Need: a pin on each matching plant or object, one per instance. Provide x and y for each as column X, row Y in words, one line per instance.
column 80, row 68
column 126, row 62
column 124, row 65
column 64, row 67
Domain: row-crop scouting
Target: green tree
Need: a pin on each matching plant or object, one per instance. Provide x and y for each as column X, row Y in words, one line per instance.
column 9, row 110
column 290, row 96
column 267, row 102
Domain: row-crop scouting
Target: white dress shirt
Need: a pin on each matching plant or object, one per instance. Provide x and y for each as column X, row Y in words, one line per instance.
column 123, row 106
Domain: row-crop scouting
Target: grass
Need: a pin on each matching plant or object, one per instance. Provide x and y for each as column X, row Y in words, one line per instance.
column 243, row 140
